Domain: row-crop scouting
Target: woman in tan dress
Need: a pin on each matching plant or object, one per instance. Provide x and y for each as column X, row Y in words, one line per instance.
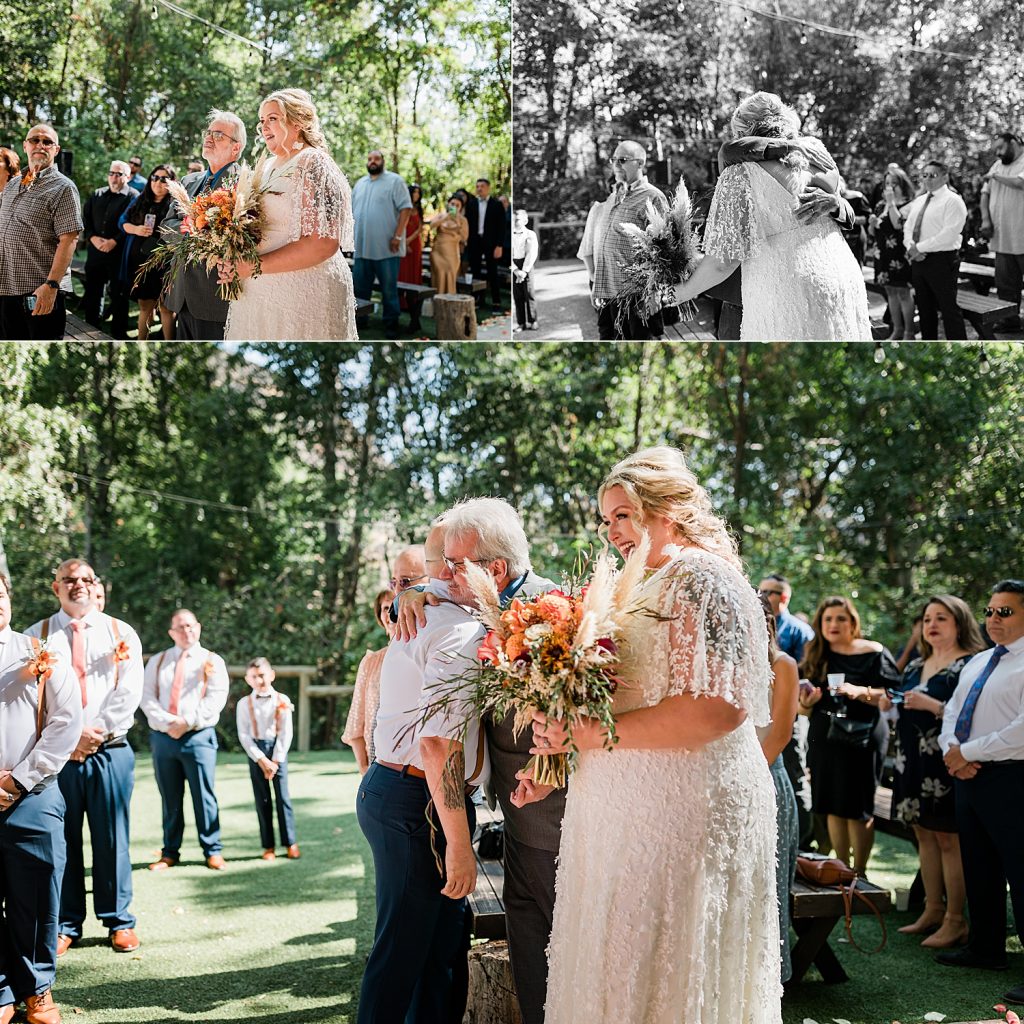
column 451, row 234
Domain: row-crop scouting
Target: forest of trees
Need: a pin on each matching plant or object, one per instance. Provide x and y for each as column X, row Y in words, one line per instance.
column 267, row 487
column 670, row 74
column 426, row 81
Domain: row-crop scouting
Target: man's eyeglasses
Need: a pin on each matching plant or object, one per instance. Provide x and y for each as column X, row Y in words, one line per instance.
column 454, row 566
column 115, row 174
column 1003, row 613
column 160, row 177
column 218, row 136
column 764, row 591
column 405, row 582
column 620, row 160
column 40, row 140
column 186, row 627
column 86, row 581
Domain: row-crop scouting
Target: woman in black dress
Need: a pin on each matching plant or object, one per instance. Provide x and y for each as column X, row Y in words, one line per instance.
column 845, row 741
column 892, row 268
column 141, row 223
column 922, row 794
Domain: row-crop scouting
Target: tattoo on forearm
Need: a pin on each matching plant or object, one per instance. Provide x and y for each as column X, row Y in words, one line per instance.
column 453, row 780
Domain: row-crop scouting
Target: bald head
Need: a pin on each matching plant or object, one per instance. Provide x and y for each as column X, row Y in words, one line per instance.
column 73, row 584
column 628, row 161
column 409, row 569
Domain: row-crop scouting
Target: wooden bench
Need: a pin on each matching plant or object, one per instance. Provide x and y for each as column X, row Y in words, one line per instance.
column 486, row 903
column 76, row 329
column 415, row 296
column 814, row 911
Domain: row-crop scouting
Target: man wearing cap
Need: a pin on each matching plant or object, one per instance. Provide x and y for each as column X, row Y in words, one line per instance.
column 1002, row 220
column 106, row 658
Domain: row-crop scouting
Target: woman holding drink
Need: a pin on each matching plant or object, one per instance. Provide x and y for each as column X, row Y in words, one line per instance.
column 452, row 231
column 843, row 748
column 140, row 222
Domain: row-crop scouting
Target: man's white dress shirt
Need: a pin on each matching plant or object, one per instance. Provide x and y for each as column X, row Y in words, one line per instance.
column 943, row 225
column 997, row 728
column 31, row 757
column 204, row 690
column 113, row 689
column 273, row 716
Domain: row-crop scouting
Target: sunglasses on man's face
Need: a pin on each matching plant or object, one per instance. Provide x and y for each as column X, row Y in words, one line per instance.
column 1002, row 613
column 40, row 140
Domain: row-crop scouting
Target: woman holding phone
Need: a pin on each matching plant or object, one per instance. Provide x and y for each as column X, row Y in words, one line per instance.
column 140, row 222
column 451, row 232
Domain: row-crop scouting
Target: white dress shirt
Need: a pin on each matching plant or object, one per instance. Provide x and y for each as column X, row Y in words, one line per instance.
column 942, row 229
column 482, row 211
column 997, row 727
column 204, row 689
column 525, row 247
column 415, row 675
column 32, row 758
column 113, row 690
column 273, row 722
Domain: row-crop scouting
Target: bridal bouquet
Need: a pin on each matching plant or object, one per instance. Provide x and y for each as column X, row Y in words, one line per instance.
column 557, row 653
column 664, row 253
column 223, row 225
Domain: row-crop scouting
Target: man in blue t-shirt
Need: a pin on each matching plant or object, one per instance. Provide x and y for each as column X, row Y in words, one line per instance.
column 380, row 207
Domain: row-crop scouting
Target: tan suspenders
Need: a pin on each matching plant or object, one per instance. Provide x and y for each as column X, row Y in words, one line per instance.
column 115, row 626
column 159, row 665
column 37, row 648
column 252, row 717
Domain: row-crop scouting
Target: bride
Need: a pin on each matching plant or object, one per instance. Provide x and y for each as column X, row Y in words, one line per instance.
column 665, row 908
column 800, row 279
column 304, row 290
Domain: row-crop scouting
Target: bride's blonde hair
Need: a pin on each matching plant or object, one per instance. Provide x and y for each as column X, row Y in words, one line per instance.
column 658, row 482
column 298, row 111
column 764, row 113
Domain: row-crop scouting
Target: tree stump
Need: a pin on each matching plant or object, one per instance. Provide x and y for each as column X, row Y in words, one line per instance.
column 492, row 993
column 455, row 316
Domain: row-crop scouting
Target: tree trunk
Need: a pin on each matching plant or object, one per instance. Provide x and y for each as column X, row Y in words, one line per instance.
column 492, row 992
column 455, row 316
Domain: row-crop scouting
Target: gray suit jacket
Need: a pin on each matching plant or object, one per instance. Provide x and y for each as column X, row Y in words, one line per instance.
column 538, row 825
column 195, row 287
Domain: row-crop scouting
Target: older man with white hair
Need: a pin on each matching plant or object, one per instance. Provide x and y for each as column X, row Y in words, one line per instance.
column 192, row 293
column 100, row 215
column 40, row 221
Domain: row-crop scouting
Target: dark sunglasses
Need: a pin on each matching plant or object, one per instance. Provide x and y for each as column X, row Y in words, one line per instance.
column 1003, row 613
column 160, row 177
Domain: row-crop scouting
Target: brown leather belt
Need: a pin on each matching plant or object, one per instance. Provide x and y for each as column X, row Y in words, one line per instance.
column 405, row 769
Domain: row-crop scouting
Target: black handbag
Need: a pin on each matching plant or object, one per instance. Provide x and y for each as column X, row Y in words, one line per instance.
column 849, row 732
column 491, row 844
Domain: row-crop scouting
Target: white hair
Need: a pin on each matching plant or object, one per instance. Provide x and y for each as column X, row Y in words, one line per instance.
column 232, row 119
column 498, row 529
column 124, row 168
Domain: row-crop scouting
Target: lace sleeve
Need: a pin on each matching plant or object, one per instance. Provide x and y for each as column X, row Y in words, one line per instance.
column 732, row 231
column 323, row 200
column 718, row 639
column 355, row 725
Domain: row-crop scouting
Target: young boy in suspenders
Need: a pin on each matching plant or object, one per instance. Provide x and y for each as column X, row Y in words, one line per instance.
column 264, row 720
column 40, row 725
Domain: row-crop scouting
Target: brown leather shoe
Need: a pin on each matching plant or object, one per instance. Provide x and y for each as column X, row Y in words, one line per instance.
column 163, row 864
column 294, row 853
column 41, row 1009
column 64, row 943
column 269, row 855
column 124, row 940
column 215, row 862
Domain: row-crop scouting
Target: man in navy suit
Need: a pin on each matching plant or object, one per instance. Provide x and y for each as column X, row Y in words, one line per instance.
column 486, row 218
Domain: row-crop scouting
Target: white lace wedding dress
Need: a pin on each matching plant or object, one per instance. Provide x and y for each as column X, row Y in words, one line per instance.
column 310, row 196
column 665, row 906
column 800, row 281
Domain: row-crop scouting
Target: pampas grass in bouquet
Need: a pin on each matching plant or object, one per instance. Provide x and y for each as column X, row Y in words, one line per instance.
column 664, row 253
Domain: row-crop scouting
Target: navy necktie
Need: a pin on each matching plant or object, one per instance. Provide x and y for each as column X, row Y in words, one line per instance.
column 963, row 722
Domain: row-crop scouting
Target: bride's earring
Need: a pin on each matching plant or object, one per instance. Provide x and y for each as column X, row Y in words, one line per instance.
column 297, row 144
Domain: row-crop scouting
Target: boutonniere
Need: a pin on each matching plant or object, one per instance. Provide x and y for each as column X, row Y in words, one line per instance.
column 284, row 704
column 42, row 665
column 208, row 670
column 121, row 652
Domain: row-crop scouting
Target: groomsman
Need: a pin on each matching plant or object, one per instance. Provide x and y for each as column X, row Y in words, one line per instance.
column 193, row 294
column 39, row 728
column 481, row 529
column 106, row 658
column 185, row 690
column 982, row 738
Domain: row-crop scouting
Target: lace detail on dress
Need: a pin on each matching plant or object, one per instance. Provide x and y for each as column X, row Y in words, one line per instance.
column 732, row 231
column 717, row 635
column 322, row 200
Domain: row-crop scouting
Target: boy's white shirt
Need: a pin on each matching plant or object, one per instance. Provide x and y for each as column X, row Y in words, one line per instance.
column 265, row 710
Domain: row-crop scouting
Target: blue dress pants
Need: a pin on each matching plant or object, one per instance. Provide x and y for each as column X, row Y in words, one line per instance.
column 191, row 759
column 386, row 272
column 31, row 866
column 417, row 963
column 264, row 803
column 100, row 789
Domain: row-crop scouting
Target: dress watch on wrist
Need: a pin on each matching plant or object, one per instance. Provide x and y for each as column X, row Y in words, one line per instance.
column 52, row 284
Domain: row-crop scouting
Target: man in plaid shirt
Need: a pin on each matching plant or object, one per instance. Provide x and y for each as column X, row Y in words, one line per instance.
column 606, row 250
column 40, row 221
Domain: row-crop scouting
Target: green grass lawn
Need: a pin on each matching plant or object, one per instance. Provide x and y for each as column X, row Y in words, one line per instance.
column 285, row 943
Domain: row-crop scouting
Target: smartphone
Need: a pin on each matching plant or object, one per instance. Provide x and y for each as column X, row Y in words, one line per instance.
column 30, row 302
column 150, row 220
column 896, row 696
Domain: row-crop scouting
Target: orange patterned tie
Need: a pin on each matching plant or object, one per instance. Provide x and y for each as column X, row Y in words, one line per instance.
column 78, row 655
column 179, row 681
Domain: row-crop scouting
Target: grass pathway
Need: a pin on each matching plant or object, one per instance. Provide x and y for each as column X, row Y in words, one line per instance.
column 285, row 943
